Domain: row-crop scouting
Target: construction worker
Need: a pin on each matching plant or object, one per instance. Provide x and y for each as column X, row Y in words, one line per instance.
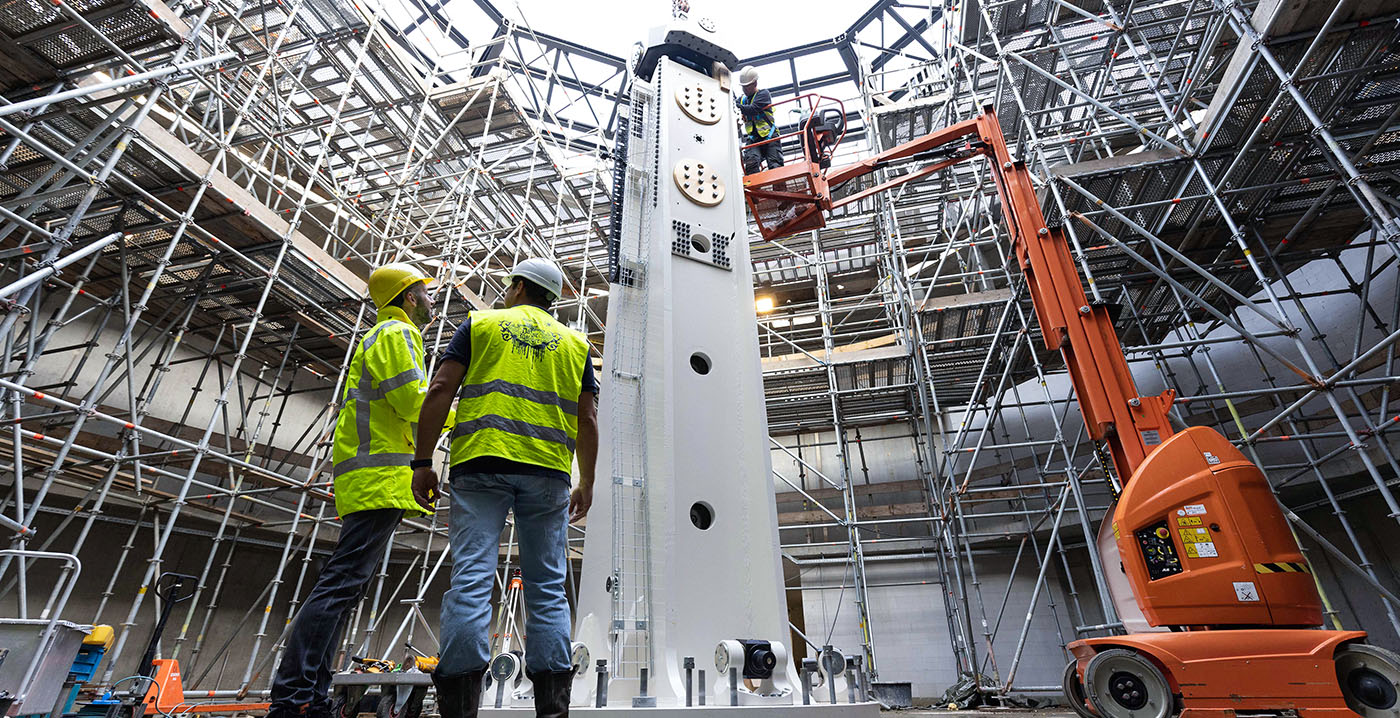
column 756, row 114
column 525, row 393
column 373, row 445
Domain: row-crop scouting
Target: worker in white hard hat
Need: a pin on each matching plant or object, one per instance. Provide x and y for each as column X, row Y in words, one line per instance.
column 526, row 394
column 372, row 448
column 756, row 116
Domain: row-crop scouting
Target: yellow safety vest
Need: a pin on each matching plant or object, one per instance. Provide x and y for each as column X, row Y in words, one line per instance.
column 374, row 433
column 519, row 396
column 762, row 127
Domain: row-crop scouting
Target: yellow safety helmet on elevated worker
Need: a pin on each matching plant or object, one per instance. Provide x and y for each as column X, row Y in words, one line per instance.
column 386, row 282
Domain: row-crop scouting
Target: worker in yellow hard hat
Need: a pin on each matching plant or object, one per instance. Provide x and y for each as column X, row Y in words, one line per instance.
column 374, row 435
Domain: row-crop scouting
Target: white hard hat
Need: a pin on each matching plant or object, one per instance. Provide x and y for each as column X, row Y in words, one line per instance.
column 542, row 272
column 748, row 76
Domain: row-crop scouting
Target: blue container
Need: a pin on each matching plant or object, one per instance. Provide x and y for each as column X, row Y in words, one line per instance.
column 84, row 668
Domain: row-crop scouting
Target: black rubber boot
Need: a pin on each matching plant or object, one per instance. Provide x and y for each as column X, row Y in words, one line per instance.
column 552, row 691
column 458, row 696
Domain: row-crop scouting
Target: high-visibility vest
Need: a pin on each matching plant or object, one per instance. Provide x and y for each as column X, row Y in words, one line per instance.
column 374, row 433
column 519, row 396
column 761, row 127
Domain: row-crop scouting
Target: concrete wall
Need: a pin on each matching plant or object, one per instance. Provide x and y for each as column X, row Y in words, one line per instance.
column 911, row 631
column 188, row 385
column 888, row 452
column 1356, row 602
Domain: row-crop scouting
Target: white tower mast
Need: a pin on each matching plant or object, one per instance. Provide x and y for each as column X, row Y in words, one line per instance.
column 684, row 480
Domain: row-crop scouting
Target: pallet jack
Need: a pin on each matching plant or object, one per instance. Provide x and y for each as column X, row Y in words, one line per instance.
column 1219, row 604
column 157, row 687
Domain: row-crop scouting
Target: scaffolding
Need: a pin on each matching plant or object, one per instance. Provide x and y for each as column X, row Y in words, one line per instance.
column 213, row 180
column 191, row 194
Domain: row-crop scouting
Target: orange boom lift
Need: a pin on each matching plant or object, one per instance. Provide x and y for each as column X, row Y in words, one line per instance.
column 1220, row 605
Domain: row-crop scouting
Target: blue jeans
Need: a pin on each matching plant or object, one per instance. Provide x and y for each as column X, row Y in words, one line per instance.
column 479, row 505
column 303, row 677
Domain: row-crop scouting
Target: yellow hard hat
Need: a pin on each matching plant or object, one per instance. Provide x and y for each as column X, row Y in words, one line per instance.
column 386, row 282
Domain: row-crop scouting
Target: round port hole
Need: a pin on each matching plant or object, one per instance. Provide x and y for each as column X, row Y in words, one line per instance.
column 702, row 515
column 700, row 363
column 701, row 242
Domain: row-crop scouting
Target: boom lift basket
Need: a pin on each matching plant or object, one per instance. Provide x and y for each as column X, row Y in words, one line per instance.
column 795, row 198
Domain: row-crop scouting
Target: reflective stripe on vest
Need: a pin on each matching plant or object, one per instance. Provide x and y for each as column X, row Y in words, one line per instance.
column 519, row 396
column 763, row 126
column 373, row 442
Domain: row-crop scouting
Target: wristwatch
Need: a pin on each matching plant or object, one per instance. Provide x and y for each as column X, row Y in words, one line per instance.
column 420, row 464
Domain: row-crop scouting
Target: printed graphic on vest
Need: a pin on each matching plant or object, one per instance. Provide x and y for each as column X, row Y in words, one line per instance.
column 529, row 338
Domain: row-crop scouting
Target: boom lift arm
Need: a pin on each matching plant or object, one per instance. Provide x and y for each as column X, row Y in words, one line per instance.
column 1131, row 425
column 1209, row 581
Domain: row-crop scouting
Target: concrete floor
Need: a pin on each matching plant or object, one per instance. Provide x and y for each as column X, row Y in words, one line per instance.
column 988, row 713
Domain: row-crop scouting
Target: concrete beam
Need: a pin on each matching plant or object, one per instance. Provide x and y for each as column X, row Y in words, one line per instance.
column 861, row 491
column 795, row 519
column 841, row 355
column 1116, row 163
column 959, row 301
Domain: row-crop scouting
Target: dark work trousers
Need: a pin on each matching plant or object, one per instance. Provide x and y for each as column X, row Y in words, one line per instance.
column 754, row 157
column 303, row 678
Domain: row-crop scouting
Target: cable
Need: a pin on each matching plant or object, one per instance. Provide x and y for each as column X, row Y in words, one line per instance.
column 152, row 681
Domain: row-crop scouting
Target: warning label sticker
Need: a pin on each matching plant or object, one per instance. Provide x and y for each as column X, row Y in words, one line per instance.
column 1198, row 543
column 1189, row 521
column 1201, row 550
column 1246, row 592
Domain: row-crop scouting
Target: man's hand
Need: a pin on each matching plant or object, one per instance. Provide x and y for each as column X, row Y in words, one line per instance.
column 425, row 488
column 580, row 501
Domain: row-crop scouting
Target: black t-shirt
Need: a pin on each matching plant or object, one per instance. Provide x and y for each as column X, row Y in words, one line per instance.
column 460, row 351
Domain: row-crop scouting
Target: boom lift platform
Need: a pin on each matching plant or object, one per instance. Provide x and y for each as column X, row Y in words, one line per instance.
column 1218, row 601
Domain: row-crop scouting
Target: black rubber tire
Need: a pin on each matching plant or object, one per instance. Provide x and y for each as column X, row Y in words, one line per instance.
column 1380, row 668
column 1123, row 684
column 413, row 708
column 1074, row 692
column 349, row 701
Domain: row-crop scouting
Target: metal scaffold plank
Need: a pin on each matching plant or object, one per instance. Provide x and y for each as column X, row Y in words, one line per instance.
column 264, row 221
